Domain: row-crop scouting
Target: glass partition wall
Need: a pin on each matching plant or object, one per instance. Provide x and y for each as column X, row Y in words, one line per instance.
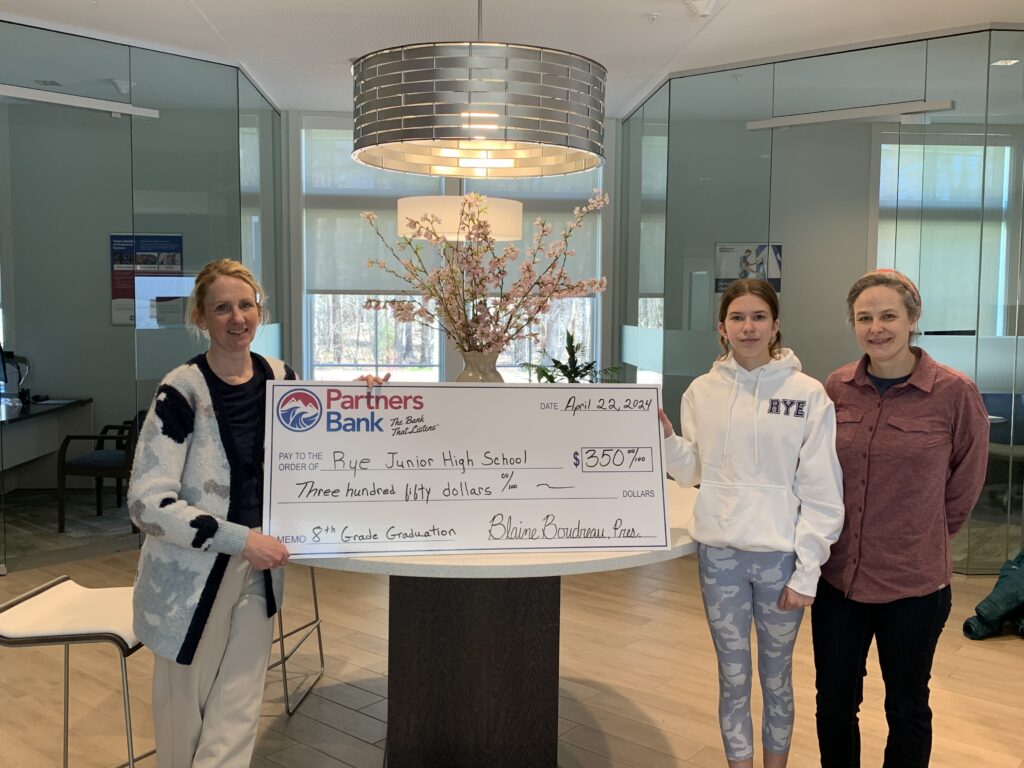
column 644, row 166
column 908, row 156
column 106, row 215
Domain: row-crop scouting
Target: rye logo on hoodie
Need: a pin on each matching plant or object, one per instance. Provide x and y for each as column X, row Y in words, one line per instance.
column 784, row 407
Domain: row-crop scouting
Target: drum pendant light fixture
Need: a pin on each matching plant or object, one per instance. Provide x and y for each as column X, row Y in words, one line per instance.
column 478, row 110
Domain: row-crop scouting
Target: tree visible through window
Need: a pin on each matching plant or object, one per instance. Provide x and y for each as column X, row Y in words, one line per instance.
column 345, row 338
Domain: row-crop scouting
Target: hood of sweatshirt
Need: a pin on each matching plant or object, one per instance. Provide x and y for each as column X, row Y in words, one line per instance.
column 751, row 381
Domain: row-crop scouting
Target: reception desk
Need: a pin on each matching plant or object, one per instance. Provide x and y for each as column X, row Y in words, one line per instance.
column 31, row 436
column 473, row 648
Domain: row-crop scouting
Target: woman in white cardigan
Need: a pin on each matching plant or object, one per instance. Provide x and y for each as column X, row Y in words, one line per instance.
column 209, row 581
column 206, row 588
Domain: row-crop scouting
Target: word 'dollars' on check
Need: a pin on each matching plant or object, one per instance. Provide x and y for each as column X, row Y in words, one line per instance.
column 435, row 468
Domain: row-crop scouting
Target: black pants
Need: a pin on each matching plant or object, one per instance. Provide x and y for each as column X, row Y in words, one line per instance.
column 907, row 632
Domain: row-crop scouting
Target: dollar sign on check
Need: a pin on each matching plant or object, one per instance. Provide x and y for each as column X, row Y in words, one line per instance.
column 575, row 458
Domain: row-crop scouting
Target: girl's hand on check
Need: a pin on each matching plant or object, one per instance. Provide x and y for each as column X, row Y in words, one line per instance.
column 374, row 381
column 666, row 425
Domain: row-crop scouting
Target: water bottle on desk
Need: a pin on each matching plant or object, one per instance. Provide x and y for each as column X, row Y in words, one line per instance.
column 13, row 373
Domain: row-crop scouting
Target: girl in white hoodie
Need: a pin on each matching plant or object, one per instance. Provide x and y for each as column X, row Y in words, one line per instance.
column 758, row 436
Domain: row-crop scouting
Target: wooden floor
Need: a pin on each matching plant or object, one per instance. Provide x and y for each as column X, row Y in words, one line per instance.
column 30, row 527
column 638, row 681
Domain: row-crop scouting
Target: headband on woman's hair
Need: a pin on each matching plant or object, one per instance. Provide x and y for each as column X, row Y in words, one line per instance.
column 903, row 280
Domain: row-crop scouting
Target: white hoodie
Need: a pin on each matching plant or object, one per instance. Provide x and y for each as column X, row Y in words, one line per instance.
column 761, row 444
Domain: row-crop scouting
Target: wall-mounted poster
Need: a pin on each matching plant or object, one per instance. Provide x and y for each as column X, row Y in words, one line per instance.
column 759, row 261
column 134, row 254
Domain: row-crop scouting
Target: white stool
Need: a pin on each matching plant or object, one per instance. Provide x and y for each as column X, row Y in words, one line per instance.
column 62, row 612
column 285, row 654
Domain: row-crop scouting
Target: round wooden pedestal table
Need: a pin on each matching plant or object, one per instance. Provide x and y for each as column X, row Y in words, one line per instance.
column 473, row 648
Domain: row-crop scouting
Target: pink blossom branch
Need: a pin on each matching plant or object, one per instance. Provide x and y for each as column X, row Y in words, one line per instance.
column 471, row 301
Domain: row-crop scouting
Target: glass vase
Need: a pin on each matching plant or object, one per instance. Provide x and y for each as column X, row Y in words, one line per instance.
column 479, row 367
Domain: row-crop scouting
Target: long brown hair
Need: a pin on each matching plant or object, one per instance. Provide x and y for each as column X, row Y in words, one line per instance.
column 764, row 291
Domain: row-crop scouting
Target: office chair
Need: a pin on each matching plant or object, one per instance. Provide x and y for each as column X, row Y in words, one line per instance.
column 113, row 450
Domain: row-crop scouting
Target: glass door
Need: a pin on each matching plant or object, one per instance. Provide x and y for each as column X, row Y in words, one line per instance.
column 950, row 218
column 65, row 191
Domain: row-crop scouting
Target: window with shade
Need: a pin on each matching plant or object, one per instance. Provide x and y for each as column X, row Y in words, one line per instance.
column 250, row 191
column 553, row 199
column 345, row 337
column 653, row 186
column 943, row 218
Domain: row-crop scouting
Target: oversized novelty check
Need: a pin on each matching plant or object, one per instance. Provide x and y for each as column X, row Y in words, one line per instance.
column 435, row 468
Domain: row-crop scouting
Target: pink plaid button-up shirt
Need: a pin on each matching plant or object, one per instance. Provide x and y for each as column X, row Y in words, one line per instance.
column 914, row 462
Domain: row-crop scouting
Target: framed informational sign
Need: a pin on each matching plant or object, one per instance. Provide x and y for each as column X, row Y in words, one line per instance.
column 760, row 261
column 132, row 255
column 437, row 468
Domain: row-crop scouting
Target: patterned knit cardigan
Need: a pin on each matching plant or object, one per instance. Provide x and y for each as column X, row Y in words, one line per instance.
column 184, row 495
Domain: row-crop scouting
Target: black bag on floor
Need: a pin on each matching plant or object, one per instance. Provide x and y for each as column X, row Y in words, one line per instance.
column 1004, row 604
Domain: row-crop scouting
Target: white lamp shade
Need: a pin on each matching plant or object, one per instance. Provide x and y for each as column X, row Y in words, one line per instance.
column 504, row 216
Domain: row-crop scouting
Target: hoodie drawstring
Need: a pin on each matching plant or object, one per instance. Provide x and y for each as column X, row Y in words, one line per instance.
column 728, row 424
column 733, row 396
column 757, row 387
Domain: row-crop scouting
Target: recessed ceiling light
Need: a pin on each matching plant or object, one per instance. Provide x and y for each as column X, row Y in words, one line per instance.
column 701, row 7
column 49, row 83
column 1005, row 62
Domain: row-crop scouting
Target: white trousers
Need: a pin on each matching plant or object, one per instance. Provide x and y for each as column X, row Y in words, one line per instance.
column 205, row 714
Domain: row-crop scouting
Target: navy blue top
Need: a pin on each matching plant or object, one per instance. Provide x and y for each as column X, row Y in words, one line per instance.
column 244, row 406
column 884, row 385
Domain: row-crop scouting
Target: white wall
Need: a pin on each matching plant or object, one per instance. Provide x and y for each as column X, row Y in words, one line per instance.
column 718, row 189
column 820, row 200
column 70, row 172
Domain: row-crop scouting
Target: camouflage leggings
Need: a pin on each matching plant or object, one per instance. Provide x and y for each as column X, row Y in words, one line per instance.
column 738, row 586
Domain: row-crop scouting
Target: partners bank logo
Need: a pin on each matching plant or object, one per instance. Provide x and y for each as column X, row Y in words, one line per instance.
column 359, row 410
column 299, row 410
